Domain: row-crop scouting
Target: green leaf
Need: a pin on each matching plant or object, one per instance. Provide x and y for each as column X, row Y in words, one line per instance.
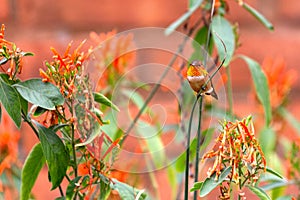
column 100, row 98
column 57, row 127
column 259, row 192
column 135, row 97
column 261, row 87
column 9, row 98
column 275, row 185
column 193, row 7
column 200, row 40
column 5, row 78
column 196, row 186
column 105, row 188
column 31, row 169
column 154, row 143
column 56, row 155
column 39, row 111
column 172, row 177
column 127, row 192
column 94, row 129
column 45, row 95
column 258, row 16
column 28, row 54
column 60, row 198
column 70, row 192
column 267, row 140
column 24, row 104
column 3, row 61
column 180, row 162
column 210, row 183
column 271, row 171
column 222, row 30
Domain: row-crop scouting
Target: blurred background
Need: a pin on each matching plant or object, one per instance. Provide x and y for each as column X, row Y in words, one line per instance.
column 35, row 25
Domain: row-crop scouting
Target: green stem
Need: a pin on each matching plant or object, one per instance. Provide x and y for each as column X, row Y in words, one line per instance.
column 229, row 91
column 198, row 145
column 28, row 121
column 187, row 159
column 74, row 156
column 74, row 150
column 61, row 191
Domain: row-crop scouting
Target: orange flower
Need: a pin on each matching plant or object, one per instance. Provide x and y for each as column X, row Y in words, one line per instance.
column 112, row 56
column 64, row 69
column 119, row 175
column 10, row 52
column 84, row 169
column 237, row 147
column 8, row 143
column 98, row 39
column 280, row 80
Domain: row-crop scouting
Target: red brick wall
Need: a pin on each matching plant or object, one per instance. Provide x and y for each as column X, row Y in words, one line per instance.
column 35, row 25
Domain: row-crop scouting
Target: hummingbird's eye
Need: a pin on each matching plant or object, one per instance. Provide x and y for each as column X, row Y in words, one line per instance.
column 203, row 88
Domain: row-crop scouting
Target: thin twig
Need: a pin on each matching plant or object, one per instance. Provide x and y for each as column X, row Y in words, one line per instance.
column 187, row 159
column 199, row 141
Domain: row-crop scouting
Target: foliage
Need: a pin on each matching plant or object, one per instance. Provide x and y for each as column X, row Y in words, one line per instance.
column 80, row 139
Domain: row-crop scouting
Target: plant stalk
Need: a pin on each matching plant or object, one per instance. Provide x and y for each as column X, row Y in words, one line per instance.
column 198, row 146
column 187, row 159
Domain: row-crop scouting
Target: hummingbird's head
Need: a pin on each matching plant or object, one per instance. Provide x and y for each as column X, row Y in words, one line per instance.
column 198, row 78
column 196, row 69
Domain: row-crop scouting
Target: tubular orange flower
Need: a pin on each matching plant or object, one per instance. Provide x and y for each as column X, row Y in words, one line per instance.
column 112, row 55
column 64, row 69
column 237, row 147
column 8, row 144
column 10, row 52
column 280, row 80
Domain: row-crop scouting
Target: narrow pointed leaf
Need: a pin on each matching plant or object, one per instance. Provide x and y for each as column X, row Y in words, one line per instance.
column 271, row 171
column 31, row 169
column 275, row 185
column 193, row 7
column 180, row 162
column 71, row 188
column 56, row 155
column 9, row 98
column 135, row 97
column 258, row 16
column 196, row 186
column 100, row 98
column 261, row 87
column 127, row 192
column 222, row 30
column 199, row 42
column 259, row 192
column 45, row 95
column 210, row 183
column 153, row 144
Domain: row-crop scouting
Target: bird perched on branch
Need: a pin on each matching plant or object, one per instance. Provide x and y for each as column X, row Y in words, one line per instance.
column 199, row 79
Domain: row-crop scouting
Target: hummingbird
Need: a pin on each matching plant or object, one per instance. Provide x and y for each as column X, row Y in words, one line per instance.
column 197, row 77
